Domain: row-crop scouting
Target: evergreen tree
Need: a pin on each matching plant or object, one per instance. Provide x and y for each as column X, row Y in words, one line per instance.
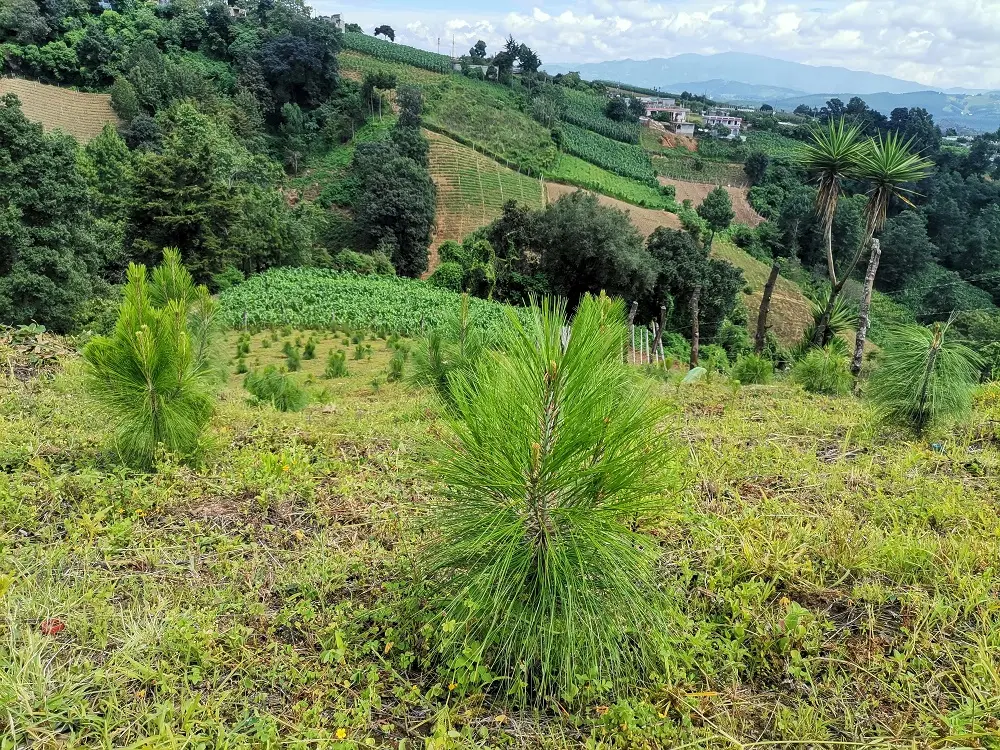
column 717, row 211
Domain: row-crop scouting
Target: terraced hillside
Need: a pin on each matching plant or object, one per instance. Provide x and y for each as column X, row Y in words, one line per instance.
column 472, row 189
column 81, row 115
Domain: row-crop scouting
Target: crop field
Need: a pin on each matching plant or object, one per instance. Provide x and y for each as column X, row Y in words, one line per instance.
column 696, row 192
column 473, row 188
column 357, row 64
column 694, row 169
column 587, row 111
column 828, row 583
column 772, row 144
column 383, row 49
column 82, row 116
column 646, row 220
column 614, row 156
column 319, row 298
column 572, row 170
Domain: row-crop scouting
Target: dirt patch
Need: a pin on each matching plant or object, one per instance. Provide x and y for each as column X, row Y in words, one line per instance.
column 673, row 140
column 697, row 191
column 646, row 220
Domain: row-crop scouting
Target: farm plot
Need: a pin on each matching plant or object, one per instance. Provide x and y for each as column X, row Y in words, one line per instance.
column 473, row 188
column 81, row 115
column 697, row 191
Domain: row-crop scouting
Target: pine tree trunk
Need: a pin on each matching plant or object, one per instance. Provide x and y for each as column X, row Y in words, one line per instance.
column 765, row 308
column 866, row 301
column 694, row 326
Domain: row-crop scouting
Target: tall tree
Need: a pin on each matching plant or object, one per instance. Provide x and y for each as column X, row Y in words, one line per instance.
column 717, row 211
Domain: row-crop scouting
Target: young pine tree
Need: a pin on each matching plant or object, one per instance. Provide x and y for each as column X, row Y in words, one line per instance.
column 153, row 376
column 924, row 376
column 552, row 464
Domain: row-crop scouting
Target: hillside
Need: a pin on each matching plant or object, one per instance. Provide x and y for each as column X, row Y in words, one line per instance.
column 82, row 116
column 472, row 189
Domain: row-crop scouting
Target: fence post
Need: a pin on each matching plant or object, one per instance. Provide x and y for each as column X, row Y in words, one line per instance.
column 694, row 325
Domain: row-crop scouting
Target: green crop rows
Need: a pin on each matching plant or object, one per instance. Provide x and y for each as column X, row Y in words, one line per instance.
column 400, row 53
column 772, row 144
column 587, row 111
column 693, row 169
column 316, row 298
column 620, row 158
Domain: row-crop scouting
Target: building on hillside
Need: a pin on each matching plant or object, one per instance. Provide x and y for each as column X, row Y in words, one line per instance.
column 676, row 117
column 333, row 20
column 235, row 11
column 105, row 5
column 733, row 123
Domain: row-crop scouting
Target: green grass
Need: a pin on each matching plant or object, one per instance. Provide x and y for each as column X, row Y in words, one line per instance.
column 827, row 581
column 319, row 298
column 572, row 170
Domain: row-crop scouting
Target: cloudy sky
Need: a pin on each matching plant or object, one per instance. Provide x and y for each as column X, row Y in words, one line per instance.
column 941, row 43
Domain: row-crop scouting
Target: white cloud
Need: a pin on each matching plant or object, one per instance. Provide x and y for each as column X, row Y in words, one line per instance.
column 936, row 42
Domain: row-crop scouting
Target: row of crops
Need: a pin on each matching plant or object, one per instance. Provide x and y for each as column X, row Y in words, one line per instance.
column 772, row 144
column 392, row 52
column 694, row 169
column 317, row 298
column 614, row 156
column 587, row 111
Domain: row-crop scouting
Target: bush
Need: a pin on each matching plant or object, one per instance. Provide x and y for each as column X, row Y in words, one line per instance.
column 376, row 264
column 750, row 369
column 276, row 388
column 152, row 376
column 448, row 275
column 309, row 350
column 543, row 575
column 823, row 371
column 734, row 338
column 336, row 365
column 923, row 377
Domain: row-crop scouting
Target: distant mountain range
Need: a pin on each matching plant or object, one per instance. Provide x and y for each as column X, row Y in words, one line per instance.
column 741, row 78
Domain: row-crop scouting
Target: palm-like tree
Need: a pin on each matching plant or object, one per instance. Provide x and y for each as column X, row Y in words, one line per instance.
column 888, row 165
column 832, row 156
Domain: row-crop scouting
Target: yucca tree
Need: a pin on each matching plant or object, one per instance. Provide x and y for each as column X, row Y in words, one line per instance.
column 924, row 376
column 830, row 158
column 554, row 459
column 890, row 166
column 150, row 375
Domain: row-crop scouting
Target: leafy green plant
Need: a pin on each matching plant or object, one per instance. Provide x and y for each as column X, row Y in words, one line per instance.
column 751, row 369
column 153, row 375
column 274, row 387
column 824, row 371
column 336, row 365
column 923, row 377
column 543, row 575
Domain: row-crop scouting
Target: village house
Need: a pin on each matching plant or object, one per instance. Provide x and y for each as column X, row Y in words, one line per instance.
column 676, row 117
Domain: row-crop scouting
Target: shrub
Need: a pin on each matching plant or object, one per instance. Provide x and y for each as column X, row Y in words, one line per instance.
column 550, row 469
column 823, row 371
column 363, row 264
column 153, row 376
column 733, row 338
column 923, row 377
column 359, row 351
column 309, row 350
column 336, row 365
column 449, row 276
column 276, row 388
column 241, row 366
column 750, row 369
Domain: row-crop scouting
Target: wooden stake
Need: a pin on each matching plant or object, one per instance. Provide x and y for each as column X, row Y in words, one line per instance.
column 694, row 325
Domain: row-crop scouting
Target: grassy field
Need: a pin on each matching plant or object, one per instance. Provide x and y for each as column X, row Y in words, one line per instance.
column 82, row 116
column 790, row 311
column 473, row 188
column 830, row 583
column 694, row 169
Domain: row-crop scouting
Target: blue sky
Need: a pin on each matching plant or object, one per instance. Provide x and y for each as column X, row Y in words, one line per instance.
column 940, row 43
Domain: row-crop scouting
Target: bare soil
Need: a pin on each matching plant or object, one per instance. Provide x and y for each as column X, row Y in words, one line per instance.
column 697, row 191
